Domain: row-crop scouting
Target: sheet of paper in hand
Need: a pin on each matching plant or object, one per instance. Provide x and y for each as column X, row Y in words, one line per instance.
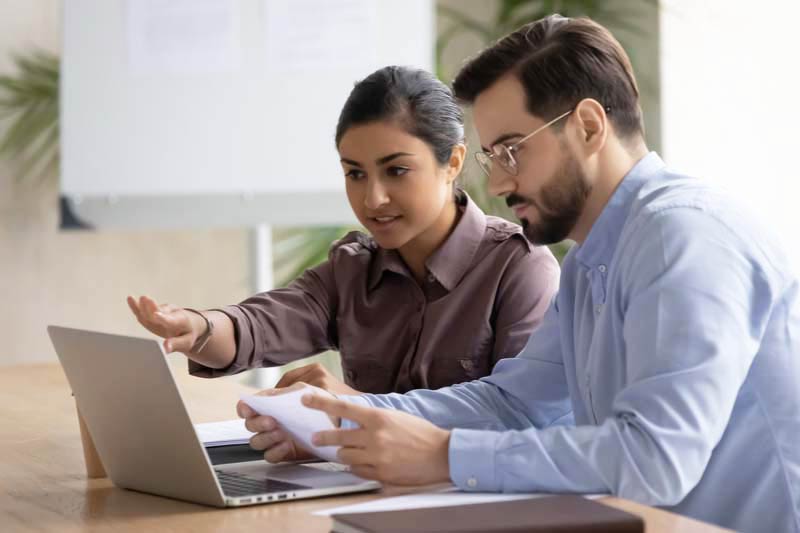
column 298, row 420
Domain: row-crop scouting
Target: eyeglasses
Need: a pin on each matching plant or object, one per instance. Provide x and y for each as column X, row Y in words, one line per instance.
column 505, row 154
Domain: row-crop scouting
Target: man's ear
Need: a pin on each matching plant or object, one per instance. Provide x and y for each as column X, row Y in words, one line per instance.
column 456, row 162
column 592, row 123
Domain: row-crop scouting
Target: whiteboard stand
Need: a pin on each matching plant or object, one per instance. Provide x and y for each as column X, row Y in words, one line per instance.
column 262, row 279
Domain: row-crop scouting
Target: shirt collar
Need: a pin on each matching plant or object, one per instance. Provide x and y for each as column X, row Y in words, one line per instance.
column 601, row 242
column 452, row 259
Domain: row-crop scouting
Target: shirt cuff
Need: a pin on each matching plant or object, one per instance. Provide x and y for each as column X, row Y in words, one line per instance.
column 358, row 400
column 472, row 460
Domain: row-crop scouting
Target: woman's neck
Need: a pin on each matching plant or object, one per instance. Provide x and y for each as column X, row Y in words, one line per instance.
column 416, row 252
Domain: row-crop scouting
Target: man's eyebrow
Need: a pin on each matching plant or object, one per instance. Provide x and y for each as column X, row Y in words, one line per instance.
column 504, row 137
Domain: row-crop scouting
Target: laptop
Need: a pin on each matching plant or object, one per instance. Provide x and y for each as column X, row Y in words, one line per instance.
column 147, row 442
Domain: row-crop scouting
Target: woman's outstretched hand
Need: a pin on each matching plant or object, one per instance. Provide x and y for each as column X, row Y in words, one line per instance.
column 178, row 327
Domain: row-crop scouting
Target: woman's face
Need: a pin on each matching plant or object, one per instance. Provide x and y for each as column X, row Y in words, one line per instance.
column 395, row 186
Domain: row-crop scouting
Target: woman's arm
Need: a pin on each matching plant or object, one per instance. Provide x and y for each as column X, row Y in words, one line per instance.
column 182, row 328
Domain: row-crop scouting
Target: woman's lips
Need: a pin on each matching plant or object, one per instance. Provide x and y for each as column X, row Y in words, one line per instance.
column 384, row 222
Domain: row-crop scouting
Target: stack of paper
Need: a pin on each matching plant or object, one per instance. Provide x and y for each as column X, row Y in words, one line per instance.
column 298, row 420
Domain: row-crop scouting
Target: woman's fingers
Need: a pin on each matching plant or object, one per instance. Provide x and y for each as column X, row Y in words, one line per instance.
column 134, row 306
column 300, row 374
column 182, row 343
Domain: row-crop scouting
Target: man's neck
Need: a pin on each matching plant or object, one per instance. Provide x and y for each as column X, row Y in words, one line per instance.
column 613, row 165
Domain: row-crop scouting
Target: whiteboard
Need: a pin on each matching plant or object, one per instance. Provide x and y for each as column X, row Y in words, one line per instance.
column 187, row 113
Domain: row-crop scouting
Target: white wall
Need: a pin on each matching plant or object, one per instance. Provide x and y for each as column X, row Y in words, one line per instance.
column 730, row 113
column 81, row 278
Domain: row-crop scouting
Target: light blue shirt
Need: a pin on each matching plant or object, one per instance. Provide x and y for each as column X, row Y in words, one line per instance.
column 666, row 371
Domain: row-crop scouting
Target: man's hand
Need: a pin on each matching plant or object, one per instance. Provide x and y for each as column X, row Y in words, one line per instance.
column 317, row 375
column 390, row 446
column 278, row 446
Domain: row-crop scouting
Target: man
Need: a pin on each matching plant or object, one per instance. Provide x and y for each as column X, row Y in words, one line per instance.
column 674, row 339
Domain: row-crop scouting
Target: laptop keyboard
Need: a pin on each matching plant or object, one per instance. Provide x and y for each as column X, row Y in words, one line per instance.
column 235, row 484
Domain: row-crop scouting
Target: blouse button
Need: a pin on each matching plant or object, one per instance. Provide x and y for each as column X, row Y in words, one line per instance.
column 602, row 269
column 472, row 482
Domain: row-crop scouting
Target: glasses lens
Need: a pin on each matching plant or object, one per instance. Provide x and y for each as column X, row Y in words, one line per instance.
column 506, row 159
column 484, row 161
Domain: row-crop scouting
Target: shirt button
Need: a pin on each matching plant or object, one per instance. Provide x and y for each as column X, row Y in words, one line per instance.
column 602, row 269
column 598, row 308
column 472, row 482
column 431, row 278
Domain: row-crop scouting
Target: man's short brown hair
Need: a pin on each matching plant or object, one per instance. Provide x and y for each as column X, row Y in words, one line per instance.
column 559, row 62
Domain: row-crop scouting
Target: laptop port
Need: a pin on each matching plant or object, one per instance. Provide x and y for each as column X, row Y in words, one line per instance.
column 282, row 497
column 246, row 500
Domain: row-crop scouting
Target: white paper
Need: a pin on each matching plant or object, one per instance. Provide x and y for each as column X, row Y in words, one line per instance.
column 313, row 35
column 183, row 36
column 420, row 500
column 223, row 433
column 299, row 421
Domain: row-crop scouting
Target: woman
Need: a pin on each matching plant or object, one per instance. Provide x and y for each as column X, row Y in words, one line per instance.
column 435, row 295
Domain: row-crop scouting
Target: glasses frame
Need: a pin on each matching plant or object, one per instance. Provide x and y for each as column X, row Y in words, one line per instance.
column 500, row 150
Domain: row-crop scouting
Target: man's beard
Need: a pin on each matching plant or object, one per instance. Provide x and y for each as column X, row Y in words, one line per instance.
column 559, row 206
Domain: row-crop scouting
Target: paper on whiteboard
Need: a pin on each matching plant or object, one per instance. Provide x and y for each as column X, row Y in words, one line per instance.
column 183, row 36
column 313, row 35
column 299, row 421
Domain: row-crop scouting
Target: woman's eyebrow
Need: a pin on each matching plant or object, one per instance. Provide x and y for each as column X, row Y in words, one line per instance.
column 386, row 159
column 351, row 162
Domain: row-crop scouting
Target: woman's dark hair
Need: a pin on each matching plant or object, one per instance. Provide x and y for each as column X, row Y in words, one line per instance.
column 559, row 62
column 412, row 98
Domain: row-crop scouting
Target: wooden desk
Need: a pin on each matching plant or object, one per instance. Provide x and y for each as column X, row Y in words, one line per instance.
column 43, row 486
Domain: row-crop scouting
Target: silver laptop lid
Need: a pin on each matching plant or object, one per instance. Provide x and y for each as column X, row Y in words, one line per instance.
column 138, row 421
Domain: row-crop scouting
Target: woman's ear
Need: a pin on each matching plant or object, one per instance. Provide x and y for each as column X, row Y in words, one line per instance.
column 456, row 163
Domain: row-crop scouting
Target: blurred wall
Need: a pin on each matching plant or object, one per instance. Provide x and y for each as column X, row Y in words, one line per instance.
column 81, row 278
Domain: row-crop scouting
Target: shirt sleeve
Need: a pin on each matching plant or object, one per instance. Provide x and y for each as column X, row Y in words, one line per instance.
column 524, row 295
column 283, row 325
column 695, row 306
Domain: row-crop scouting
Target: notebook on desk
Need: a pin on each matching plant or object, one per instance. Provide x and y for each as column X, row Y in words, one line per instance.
column 549, row 514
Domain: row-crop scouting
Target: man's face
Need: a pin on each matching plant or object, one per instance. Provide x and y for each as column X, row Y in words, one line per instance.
column 549, row 192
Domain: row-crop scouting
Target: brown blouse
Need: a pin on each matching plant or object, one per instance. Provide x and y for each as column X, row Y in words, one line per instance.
column 487, row 288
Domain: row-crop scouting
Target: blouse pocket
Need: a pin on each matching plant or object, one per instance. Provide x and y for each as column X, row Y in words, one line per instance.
column 367, row 373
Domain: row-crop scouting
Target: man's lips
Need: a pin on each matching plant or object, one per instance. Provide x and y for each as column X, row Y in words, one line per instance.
column 519, row 209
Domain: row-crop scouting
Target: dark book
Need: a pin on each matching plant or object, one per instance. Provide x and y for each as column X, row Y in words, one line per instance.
column 551, row 513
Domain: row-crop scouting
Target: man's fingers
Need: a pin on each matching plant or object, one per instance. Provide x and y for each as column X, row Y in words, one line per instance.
column 353, row 457
column 258, row 423
column 364, row 471
column 282, row 452
column 350, row 438
column 267, row 440
column 341, row 409
column 245, row 411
